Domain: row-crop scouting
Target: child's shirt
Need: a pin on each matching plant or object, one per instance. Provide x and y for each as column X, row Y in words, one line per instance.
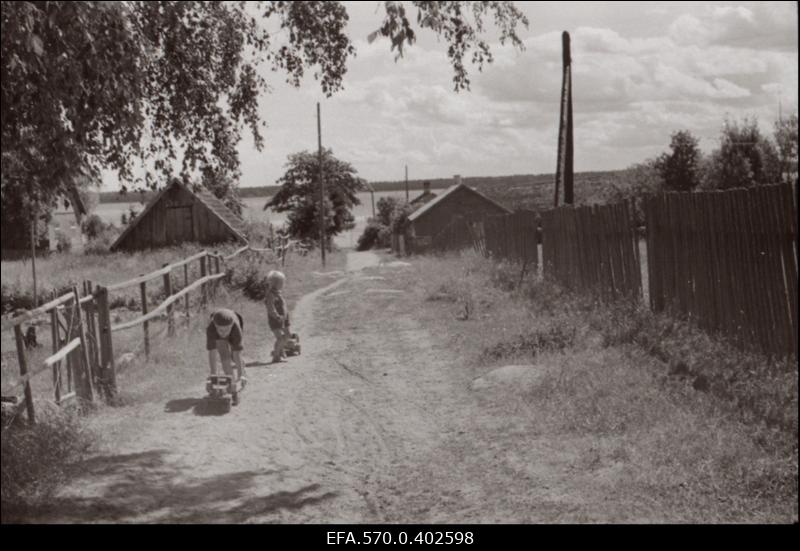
column 234, row 338
column 276, row 308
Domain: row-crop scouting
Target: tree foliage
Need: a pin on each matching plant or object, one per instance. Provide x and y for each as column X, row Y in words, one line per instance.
column 745, row 158
column 300, row 195
column 461, row 24
column 386, row 208
column 786, row 142
column 116, row 85
column 680, row 168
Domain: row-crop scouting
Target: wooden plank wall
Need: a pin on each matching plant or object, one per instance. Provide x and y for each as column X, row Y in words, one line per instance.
column 167, row 223
column 592, row 249
column 512, row 237
column 727, row 260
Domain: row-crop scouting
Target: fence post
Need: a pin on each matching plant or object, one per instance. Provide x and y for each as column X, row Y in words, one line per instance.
column 146, row 324
column 91, row 325
column 168, row 293
column 216, row 271
column 203, row 287
column 84, row 351
column 23, row 370
column 109, row 374
column 186, row 284
column 56, row 345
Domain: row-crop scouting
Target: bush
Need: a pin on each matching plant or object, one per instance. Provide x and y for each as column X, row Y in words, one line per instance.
column 250, row 276
column 375, row 235
column 101, row 244
column 93, row 226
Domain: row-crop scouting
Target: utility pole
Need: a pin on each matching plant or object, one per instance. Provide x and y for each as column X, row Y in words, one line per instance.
column 406, row 183
column 321, row 188
column 564, row 164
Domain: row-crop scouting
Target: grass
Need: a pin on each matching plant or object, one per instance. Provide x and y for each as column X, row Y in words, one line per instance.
column 60, row 271
column 36, row 458
column 700, row 431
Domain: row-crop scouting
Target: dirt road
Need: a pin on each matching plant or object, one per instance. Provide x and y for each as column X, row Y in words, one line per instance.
column 372, row 423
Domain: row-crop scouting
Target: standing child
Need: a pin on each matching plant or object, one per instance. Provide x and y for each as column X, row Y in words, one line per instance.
column 277, row 313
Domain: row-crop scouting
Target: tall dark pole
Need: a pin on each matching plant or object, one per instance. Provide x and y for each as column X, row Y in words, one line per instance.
column 564, row 165
column 406, row 183
column 321, row 188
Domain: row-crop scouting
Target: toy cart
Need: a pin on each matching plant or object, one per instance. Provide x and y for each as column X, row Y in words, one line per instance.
column 292, row 346
column 223, row 392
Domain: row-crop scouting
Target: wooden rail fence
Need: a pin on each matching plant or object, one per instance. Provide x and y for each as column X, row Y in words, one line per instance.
column 81, row 328
column 728, row 261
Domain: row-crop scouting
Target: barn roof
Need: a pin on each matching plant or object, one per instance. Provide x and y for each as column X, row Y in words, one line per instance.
column 211, row 202
column 430, row 205
column 423, row 197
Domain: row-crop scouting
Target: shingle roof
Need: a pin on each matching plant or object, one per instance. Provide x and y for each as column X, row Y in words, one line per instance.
column 218, row 207
column 234, row 222
column 425, row 196
column 442, row 196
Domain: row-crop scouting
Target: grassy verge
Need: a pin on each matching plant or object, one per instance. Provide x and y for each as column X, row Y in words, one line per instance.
column 698, row 431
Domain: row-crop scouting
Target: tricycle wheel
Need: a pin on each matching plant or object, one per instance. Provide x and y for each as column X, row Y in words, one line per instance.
column 235, row 399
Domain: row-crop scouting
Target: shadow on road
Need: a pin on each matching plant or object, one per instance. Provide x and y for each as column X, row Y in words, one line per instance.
column 199, row 406
column 145, row 487
column 258, row 363
column 182, row 404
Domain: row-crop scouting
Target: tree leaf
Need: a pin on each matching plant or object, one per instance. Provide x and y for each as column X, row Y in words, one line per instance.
column 37, row 45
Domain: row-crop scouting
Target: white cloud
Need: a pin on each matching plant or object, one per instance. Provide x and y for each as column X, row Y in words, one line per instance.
column 688, row 71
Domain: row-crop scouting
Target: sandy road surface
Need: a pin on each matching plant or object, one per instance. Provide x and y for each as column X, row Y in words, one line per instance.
column 372, row 423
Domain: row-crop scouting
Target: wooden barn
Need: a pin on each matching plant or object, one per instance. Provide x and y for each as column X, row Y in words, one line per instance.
column 178, row 214
column 456, row 202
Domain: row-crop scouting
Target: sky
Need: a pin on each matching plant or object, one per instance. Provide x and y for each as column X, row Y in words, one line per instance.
column 640, row 72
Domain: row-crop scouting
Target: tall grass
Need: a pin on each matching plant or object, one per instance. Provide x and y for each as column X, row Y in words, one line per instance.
column 35, row 459
column 709, row 429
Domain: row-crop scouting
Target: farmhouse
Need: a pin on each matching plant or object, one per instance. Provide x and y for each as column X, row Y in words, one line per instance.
column 178, row 214
column 456, row 202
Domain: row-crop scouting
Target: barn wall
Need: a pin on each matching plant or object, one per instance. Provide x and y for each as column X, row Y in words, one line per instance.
column 177, row 217
column 461, row 202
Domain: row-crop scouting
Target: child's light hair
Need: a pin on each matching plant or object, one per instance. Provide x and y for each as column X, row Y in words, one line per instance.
column 274, row 276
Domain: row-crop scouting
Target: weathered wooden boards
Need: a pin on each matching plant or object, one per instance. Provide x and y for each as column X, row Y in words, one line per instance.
column 592, row 248
column 727, row 260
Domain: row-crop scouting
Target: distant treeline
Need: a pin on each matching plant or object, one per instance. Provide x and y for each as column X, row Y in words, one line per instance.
column 497, row 186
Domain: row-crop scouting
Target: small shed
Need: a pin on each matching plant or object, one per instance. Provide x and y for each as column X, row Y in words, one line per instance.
column 178, row 214
column 456, row 202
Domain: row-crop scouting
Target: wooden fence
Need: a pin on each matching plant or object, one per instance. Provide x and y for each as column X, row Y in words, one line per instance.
column 82, row 359
column 592, row 248
column 728, row 261
column 510, row 237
